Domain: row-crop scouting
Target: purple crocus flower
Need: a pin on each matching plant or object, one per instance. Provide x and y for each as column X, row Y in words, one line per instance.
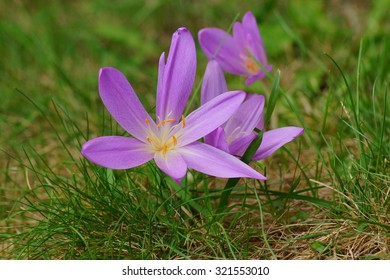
column 171, row 140
column 237, row 133
column 239, row 54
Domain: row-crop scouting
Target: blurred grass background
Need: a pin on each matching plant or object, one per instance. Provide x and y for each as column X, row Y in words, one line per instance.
column 51, row 52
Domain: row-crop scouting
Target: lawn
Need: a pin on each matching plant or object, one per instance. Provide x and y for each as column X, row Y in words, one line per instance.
column 327, row 193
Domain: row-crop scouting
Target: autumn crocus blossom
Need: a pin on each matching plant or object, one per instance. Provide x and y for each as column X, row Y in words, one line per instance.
column 171, row 139
column 241, row 54
column 237, row 133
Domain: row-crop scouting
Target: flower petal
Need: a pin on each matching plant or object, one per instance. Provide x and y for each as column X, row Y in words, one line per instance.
column 249, row 42
column 239, row 145
column 212, row 161
column 240, row 38
column 160, row 80
column 254, row 39
column 123, row 104
column 218, row 44
column 178, row 76
column 258, row 76
column 116, row 152
column 276, row 138
column 246, row 118
column 172, row 164
column 217, row 139
column 214, row 82
column 209, row 116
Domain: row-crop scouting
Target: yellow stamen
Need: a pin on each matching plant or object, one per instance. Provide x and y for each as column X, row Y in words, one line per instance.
column 252, row 66
column 163, row 139
column 165, row 121
column 183, row 121
column 164, row 149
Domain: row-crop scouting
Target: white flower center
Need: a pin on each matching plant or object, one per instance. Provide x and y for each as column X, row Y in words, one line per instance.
column 164, row 137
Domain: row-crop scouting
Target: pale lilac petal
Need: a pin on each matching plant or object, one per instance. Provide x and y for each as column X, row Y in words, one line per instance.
column 214, row 82
column 260, row 124
column 248, row 50
column 116, row 152
column 178, row 76
column 217, row 139
column 276, row 138
column 123, row 104
column 160, row 81
column 255, row 41
column 258, row 76
column 218, row 44
column 246, row 118
column 209, row 116
column 172, row 163
column 240, row 38
column 239, row 145
column 212, row 161
column 250, row 45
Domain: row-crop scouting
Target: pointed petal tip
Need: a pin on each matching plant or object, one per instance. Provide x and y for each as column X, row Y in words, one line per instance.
column 295, row 131
column 276, row 138
column 161, row 59
column 240, row 93
column 85, row 148
column 182, row 30
column 107, row 71
column 254, row 175
column 178, row 181
column 248, row 14
column 253, row 78
column 82, row 151
column 101, row 71
column 261, row 177
column 200, row 32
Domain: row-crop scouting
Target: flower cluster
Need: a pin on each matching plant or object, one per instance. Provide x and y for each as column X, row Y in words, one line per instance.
column 225, row 120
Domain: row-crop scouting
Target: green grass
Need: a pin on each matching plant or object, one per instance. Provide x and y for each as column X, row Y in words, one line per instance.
column 327, row 196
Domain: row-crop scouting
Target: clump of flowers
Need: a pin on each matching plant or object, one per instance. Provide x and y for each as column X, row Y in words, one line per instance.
column 231, row 122
column 172, row 140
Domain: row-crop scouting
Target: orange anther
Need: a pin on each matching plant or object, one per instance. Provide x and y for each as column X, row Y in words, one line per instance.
column 183, row 121
column 164, row 149
column 166, row 121
column 252, row 66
